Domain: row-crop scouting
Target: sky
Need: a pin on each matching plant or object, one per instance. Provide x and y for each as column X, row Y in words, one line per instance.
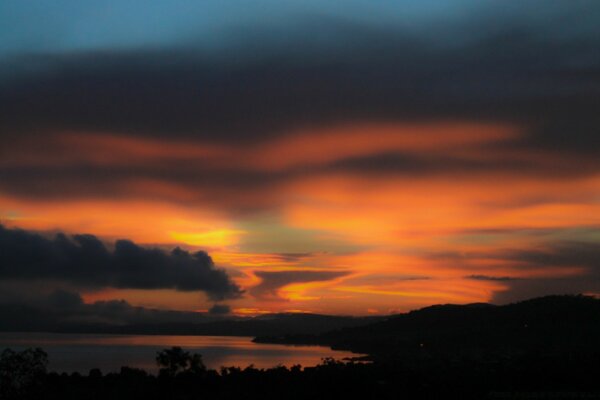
column 247, row 157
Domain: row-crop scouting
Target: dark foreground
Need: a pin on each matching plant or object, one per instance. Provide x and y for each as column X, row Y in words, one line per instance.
column 546, row 348
column 23, row 375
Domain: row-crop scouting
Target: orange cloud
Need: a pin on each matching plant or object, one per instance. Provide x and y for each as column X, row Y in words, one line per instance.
column 393, row 227
column 143, row 221
column 360, row 139
column 296, row 148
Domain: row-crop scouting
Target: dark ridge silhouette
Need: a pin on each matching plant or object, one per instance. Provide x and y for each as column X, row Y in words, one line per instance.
column 27, row 318
column 541, row 348
column 552, row 325
column 272, row 324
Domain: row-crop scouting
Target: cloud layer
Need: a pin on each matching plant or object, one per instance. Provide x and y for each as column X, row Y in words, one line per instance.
column 272, row 281
column 60, row 309
column 227, row 104
column 85, row 261
column 378, row 141
column 577, row 264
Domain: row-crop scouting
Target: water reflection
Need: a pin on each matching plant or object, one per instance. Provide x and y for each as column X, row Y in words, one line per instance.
column 81, row 352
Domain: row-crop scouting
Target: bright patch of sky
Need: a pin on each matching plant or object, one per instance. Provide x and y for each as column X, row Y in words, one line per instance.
column 70, row 25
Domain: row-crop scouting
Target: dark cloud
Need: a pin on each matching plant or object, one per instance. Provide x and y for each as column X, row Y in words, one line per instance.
column 272, row 281
column 552, row 267
column 84, row 260
column 536, row 287
column 520, row 75
column 63, row 308
column 219, row 309
column 383, row 279
column 491, row 278
column 489, row 68
column 563, row 254
column 411, row 164
column 293, row 256
column 206, row 185
column 64, row 300
column 522, row 230
column 560, row 254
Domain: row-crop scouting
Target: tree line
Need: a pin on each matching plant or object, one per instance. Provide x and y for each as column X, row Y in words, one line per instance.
column 183, row 375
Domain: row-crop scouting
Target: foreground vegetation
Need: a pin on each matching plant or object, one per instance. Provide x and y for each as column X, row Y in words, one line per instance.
column 541, row 348
column 23, row 375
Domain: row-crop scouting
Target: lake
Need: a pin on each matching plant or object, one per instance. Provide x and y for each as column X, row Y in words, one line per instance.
column 82, row 352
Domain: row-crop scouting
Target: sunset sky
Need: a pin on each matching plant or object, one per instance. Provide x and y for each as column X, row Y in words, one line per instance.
column 355, row 157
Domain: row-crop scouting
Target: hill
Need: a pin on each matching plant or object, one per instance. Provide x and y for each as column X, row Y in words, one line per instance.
column 553, row 325
column 17, row 317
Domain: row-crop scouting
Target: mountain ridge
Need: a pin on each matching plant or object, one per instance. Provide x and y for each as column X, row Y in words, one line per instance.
column 550, row 324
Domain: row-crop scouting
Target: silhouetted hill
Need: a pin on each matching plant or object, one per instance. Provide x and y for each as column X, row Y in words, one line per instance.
column 549, row 325
column 271, row 324
column 27, row 318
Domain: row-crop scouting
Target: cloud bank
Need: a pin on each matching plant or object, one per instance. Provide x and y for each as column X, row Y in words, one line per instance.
column 579, row 263
column 85, row 261
column 232, row 101
column 62, row 308
column 272, row 281
column 374, row 136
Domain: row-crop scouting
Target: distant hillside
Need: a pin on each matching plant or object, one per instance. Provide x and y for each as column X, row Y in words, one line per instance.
column 271, row 324
column 549, row 325
column 24, row 318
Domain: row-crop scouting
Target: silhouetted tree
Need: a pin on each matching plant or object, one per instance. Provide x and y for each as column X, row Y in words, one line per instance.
column 196, row 366
column 21, row 373
column 175, row 361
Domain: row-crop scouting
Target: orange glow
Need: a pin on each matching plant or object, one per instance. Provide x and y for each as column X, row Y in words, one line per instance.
column 298, row 148
column 250, row 311
column 106, row 149
column 144, row 222
column 216, row 238
column 366, row 139
column 411, row 211
column 405, row 239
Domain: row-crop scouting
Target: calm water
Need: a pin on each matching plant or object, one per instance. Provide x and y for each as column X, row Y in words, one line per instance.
column 82, row 352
